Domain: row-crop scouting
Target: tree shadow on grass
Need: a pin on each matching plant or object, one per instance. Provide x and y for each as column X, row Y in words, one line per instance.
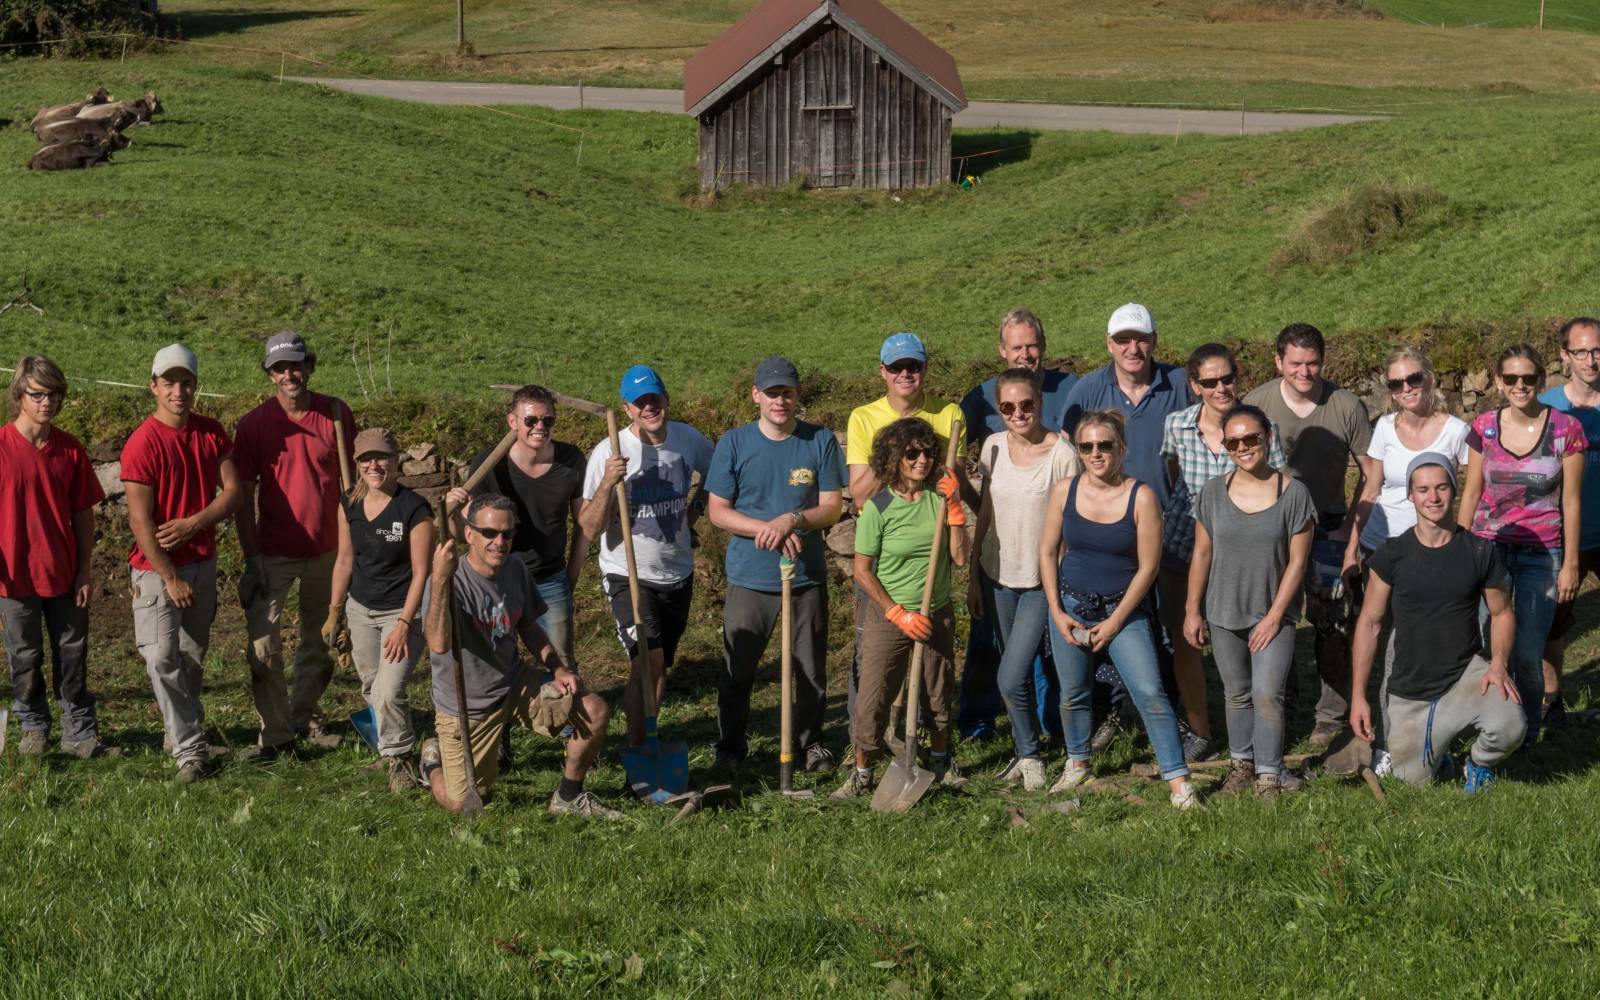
column 225, row 22
column 977, row 153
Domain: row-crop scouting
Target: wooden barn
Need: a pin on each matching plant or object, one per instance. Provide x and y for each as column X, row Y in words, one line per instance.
column 841, row 92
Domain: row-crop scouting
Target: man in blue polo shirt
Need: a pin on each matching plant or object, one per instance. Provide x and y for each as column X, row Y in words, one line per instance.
column 1021, row 346
column 775, row 485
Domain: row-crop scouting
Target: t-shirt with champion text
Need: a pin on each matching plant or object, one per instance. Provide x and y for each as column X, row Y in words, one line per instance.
column 492, row 614
column 41, row 488
column 658, row 489
column 544, row 505
column 383, row 549
column 296, row 464
column 899, row 534
column 184, row 467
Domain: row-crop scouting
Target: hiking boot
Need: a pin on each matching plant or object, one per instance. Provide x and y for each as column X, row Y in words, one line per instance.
column 1185, row 797
column 856, row 784
column 946, row 771
column 1270, row 786
column 1241, row 775
column 820, row 758
column 1107, row 731
column 1324, row 733
column 403, row 775
column 1477, row 778
column 585, row 805
column 262, row 754
column 198, row 769
column 32, row 743
column 1073, row 775
column 91, row 747
column 318, row 735
column 1197, row 748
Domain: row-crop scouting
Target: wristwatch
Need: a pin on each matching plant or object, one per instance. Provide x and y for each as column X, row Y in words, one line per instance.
column 798, row 517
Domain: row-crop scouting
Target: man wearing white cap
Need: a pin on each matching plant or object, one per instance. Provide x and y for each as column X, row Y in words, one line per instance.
column 179, row 475
column 289, row 531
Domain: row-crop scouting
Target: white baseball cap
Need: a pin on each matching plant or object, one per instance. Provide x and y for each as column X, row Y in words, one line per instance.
column 175, row 356
column 1131, row 318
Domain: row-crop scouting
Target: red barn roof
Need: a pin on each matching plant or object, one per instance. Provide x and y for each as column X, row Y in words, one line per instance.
column 764, row 32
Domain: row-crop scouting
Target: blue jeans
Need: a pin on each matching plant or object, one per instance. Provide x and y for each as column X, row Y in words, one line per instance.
column 556, row 592
column 1133, row 653
column 1019, row 618
column 1533, row 575
column 981, row 699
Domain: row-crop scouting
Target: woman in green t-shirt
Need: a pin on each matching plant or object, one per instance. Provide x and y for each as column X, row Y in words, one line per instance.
column 894, row 538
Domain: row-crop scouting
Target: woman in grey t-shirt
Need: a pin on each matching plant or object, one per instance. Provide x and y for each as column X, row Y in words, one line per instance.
column 1261, row 521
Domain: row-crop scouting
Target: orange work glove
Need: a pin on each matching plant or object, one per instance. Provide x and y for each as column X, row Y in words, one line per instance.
column 918, row 628
column 948, row 487
column 955, row 515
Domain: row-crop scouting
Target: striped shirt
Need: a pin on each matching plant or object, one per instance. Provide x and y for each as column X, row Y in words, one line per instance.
column 1197, row 465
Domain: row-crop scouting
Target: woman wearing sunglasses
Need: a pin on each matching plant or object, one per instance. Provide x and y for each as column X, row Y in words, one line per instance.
column 1021, row 464
column 385, row 551
column 1103, row 559
column 1522, row 492
column 894, row 540
column 1247, row 604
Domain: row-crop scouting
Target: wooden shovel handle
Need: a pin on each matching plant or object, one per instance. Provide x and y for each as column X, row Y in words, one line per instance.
column 472, row 801
column 914, row 679
column 647, row 692
column 346, row 475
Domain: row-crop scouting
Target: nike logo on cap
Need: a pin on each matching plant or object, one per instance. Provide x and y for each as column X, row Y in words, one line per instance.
column 641, row 378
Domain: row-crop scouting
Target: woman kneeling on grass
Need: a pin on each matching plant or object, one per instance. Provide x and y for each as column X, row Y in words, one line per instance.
column 896, row 527
column 1263, row 520
column 1104, row 557
column 385, row 548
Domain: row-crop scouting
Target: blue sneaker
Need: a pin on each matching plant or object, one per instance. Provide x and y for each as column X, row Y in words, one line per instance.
column 1448, row 770
column 1478, row 777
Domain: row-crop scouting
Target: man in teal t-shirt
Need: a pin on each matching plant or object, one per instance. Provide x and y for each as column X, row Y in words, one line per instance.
column 775, row 485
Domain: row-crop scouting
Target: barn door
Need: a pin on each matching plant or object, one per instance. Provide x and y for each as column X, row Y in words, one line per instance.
column 835, row 130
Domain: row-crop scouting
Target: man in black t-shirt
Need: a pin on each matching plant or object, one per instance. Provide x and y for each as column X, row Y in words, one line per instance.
column 1432, row 578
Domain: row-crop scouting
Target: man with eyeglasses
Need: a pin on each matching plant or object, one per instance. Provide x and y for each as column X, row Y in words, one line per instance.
column 775, row 485
column 1021, row 346
column 496, row 607
column 1580, row 397
column 659, row 459
column 48, row 491
column 288, row 521
column 1324, row 429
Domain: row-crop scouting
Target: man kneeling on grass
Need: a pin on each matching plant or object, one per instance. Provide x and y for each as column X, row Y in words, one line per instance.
column 1441, row 683
column 497, row 605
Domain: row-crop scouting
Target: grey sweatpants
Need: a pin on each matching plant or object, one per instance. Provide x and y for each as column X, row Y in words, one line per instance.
column 173, row 643
column 1252, row 685
column 1420, row 732
column 26, row 620
column 750, row 617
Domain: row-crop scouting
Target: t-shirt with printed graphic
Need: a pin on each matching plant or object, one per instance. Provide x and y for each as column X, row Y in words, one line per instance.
column 763, row 478
column 184, row 467
column 1588, row 417
column 383, row 549
column 492, row 614
column 41, row 489
column 658, row 489
column 1521, row 503
column 899, row 534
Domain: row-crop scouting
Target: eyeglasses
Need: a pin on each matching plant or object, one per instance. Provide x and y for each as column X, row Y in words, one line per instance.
column 1520, row 378
column 1008, row 407
column 905, row 368
column 1415, row 380
column 915, row 453
column 42, row 394
column 1582, row 353
column 531, row 421
column 1212, row 383
column 1097, row 447
column 492, row 533
column 1242, row 442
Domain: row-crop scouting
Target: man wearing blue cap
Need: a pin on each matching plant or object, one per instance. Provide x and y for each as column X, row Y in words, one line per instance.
column 775, row 485
column 659, row 458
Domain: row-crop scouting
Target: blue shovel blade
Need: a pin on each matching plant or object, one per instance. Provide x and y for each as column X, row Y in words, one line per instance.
column 656, row 771
column 366, row 727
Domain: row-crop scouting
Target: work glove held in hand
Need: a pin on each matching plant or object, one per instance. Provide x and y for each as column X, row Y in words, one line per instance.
column 916, row 626
column 949, row 488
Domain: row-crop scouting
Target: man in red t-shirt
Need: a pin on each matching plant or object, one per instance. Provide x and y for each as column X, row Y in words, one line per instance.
column 288, row 458
column 180, row 481
column 47, row 495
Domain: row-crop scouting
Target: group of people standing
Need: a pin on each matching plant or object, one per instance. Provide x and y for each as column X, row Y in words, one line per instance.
column 1120, row 523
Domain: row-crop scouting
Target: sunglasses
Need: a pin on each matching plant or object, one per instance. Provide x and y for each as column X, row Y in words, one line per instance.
column 41, row 395
column 1008, row 407
column 531, row 421
column 905, row 368
column 1519, row 378
column 913, row 454
column 1242, row 442
column 373, row 459
column 1415, row 380
column 1097, row 447
column 492, row 533
column 1212, row 383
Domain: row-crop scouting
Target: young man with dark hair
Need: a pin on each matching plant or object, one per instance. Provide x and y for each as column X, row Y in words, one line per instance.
column 1432, row 578
column 48, row 492
column 288, row 522
column 1324, row 429
column 178, row 471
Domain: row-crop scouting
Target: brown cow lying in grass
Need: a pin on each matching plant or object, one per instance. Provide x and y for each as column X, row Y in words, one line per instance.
column 71, row 156
column 83, row 130
column 143, row 109
column 64, row 111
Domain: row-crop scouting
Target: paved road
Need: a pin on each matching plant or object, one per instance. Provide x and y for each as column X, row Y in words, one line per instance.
column 980, row 114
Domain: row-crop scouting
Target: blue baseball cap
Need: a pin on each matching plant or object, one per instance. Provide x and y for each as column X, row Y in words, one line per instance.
column 903, row 347
column 641, row 380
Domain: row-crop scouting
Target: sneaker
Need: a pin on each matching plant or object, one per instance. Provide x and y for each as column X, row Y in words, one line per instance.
column 1382, row 762
column 585, row 805
column 857, row 784
column 191, row 771
column 820, row 758
column 1241, row 775
column 403, row 775
column 1197, row 748
column 1477, row 778
column 946, row 771
column 91, row 747
column 1107, row 731
column 429, row 757
column 1073, row 775
column 1270, row 786
column 1025, row 771
column 1324, row 733
column 1185, row 797
column 32, row 742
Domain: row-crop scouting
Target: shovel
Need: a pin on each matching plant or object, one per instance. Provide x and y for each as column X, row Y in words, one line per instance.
column 786, row 689
column 656, row 771
column 366, row 727
column 905, row 783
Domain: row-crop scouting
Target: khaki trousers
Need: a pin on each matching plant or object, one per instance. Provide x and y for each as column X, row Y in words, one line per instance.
column 285, row 715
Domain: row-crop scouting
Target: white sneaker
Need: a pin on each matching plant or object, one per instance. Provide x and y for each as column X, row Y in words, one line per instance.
column 1032, row 771
column 1186, row 797
column 1011, row 773
column 1072, row 776
column 1382, row 763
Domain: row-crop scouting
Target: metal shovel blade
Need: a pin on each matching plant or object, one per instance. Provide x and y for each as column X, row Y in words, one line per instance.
column 366, row 727
column 656, row 771
column 901, row 787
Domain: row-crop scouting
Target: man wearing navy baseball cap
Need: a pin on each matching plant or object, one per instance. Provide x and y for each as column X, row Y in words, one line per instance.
column 659, row 458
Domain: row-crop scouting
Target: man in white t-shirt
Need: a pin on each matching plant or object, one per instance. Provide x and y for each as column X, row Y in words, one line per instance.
column 659, row 458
